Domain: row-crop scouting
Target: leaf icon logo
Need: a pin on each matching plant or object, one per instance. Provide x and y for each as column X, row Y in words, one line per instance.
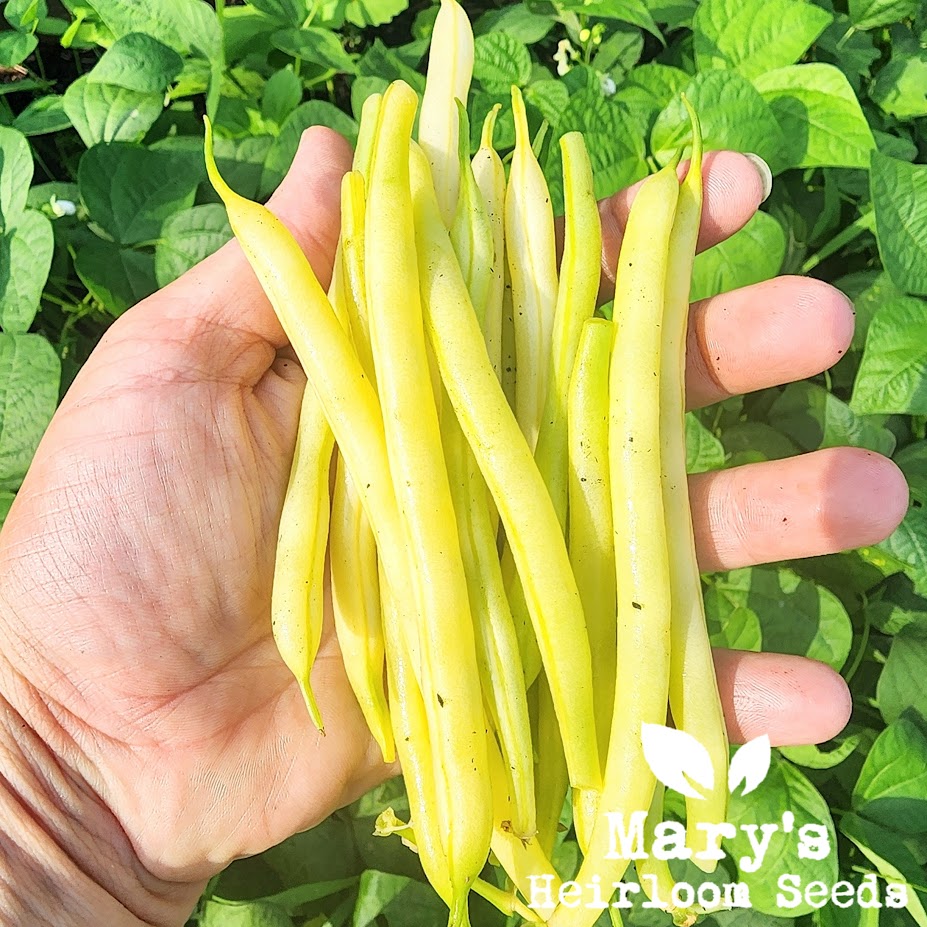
column 750, row 765
column 675, row 758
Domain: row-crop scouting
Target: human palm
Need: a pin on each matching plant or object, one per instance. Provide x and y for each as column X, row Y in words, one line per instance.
column 136, row 564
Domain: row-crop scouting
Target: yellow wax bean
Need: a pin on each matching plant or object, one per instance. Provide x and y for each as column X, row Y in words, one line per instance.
column 591, row 538
column 471, row 231
column 524, row 862
column 513, row 479
column 326, row 354
column 641, row 557
column 509, row 361
column 489, row 173
column 580, row 270
column 356, row 607
column 413, row 740
column 532, row 260
column 508, row 903
column 450, row 70
column 578, row 289
column 297, row 604
column 655, row 875
column 552, row 779
column 497, row 644
column 694, row 699
column 447, row 657
column 367, row 133
column 353, row 211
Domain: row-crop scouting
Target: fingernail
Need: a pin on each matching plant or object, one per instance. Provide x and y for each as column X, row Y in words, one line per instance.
column 762, row 168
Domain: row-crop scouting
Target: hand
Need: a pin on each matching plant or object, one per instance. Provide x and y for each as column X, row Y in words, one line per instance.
column 136, row 563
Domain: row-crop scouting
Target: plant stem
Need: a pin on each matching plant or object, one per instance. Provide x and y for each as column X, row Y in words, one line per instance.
column 865, row 223
column 861, row 651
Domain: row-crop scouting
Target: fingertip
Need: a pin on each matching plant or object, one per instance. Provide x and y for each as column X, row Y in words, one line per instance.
column 821, row 703
column 830, row 311
column 325, row 145
column 792, row 699
column 734, row 191
column 879, row 488
column 308, row 199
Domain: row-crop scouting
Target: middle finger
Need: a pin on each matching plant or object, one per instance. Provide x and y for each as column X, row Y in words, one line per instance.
column 764, row 335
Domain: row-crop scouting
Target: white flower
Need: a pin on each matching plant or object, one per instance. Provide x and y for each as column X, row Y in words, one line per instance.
column 63, row 207
column 564, row 56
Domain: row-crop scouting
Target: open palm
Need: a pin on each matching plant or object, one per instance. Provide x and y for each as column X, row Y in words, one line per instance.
column 136, row 564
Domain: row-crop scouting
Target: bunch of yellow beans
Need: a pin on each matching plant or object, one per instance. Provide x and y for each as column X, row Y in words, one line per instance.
column 513, row 571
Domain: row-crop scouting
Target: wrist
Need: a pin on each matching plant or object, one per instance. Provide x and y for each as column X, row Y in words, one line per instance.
column 64, row 858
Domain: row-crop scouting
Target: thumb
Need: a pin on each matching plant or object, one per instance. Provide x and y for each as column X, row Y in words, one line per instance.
column 221, row 294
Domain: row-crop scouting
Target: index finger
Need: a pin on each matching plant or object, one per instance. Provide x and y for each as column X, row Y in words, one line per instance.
column 735, row 187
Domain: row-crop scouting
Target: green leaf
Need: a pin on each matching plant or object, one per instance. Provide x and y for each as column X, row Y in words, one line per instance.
column 15, row 175
column 796, row 616
column 282, row 94
column 285, row 12
column 42, row 116
column 784, row 789
column 283, row 149
column 867, row 303
column 618, row 54
column 733, row 116
column 29, row 377
column 6, row 503
column 813, row 757
column 892, row 375
column 913, row 463
column 703, row 450
column 403, row 902
column 853, row 52
column 24, row 15
column 737, row 629
column 106, row 113
column 25, row 260
column 363, row 87
column 891, row 859
column 190, row 27
column 187, row 238
column 129, row 191
column 897, row 606
column 652, row 84
column 903, row 683
column 752, row 255
column 755, row 36
column 380, row 61
column 892, row 786
column 551, row 97
column 899, row 194
column 515, row 20
column 753, row 442
column 320, row 46
column 901, row 86
column 868, row 14
column 908, row 544
column 138, row 62
column 500, row 61
column 365, row 13
column 118, row 278
column 258, row 913
column 16, row 47
column 635, row 12
column 815, row 418
column 613, row 139
column 819, row 114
